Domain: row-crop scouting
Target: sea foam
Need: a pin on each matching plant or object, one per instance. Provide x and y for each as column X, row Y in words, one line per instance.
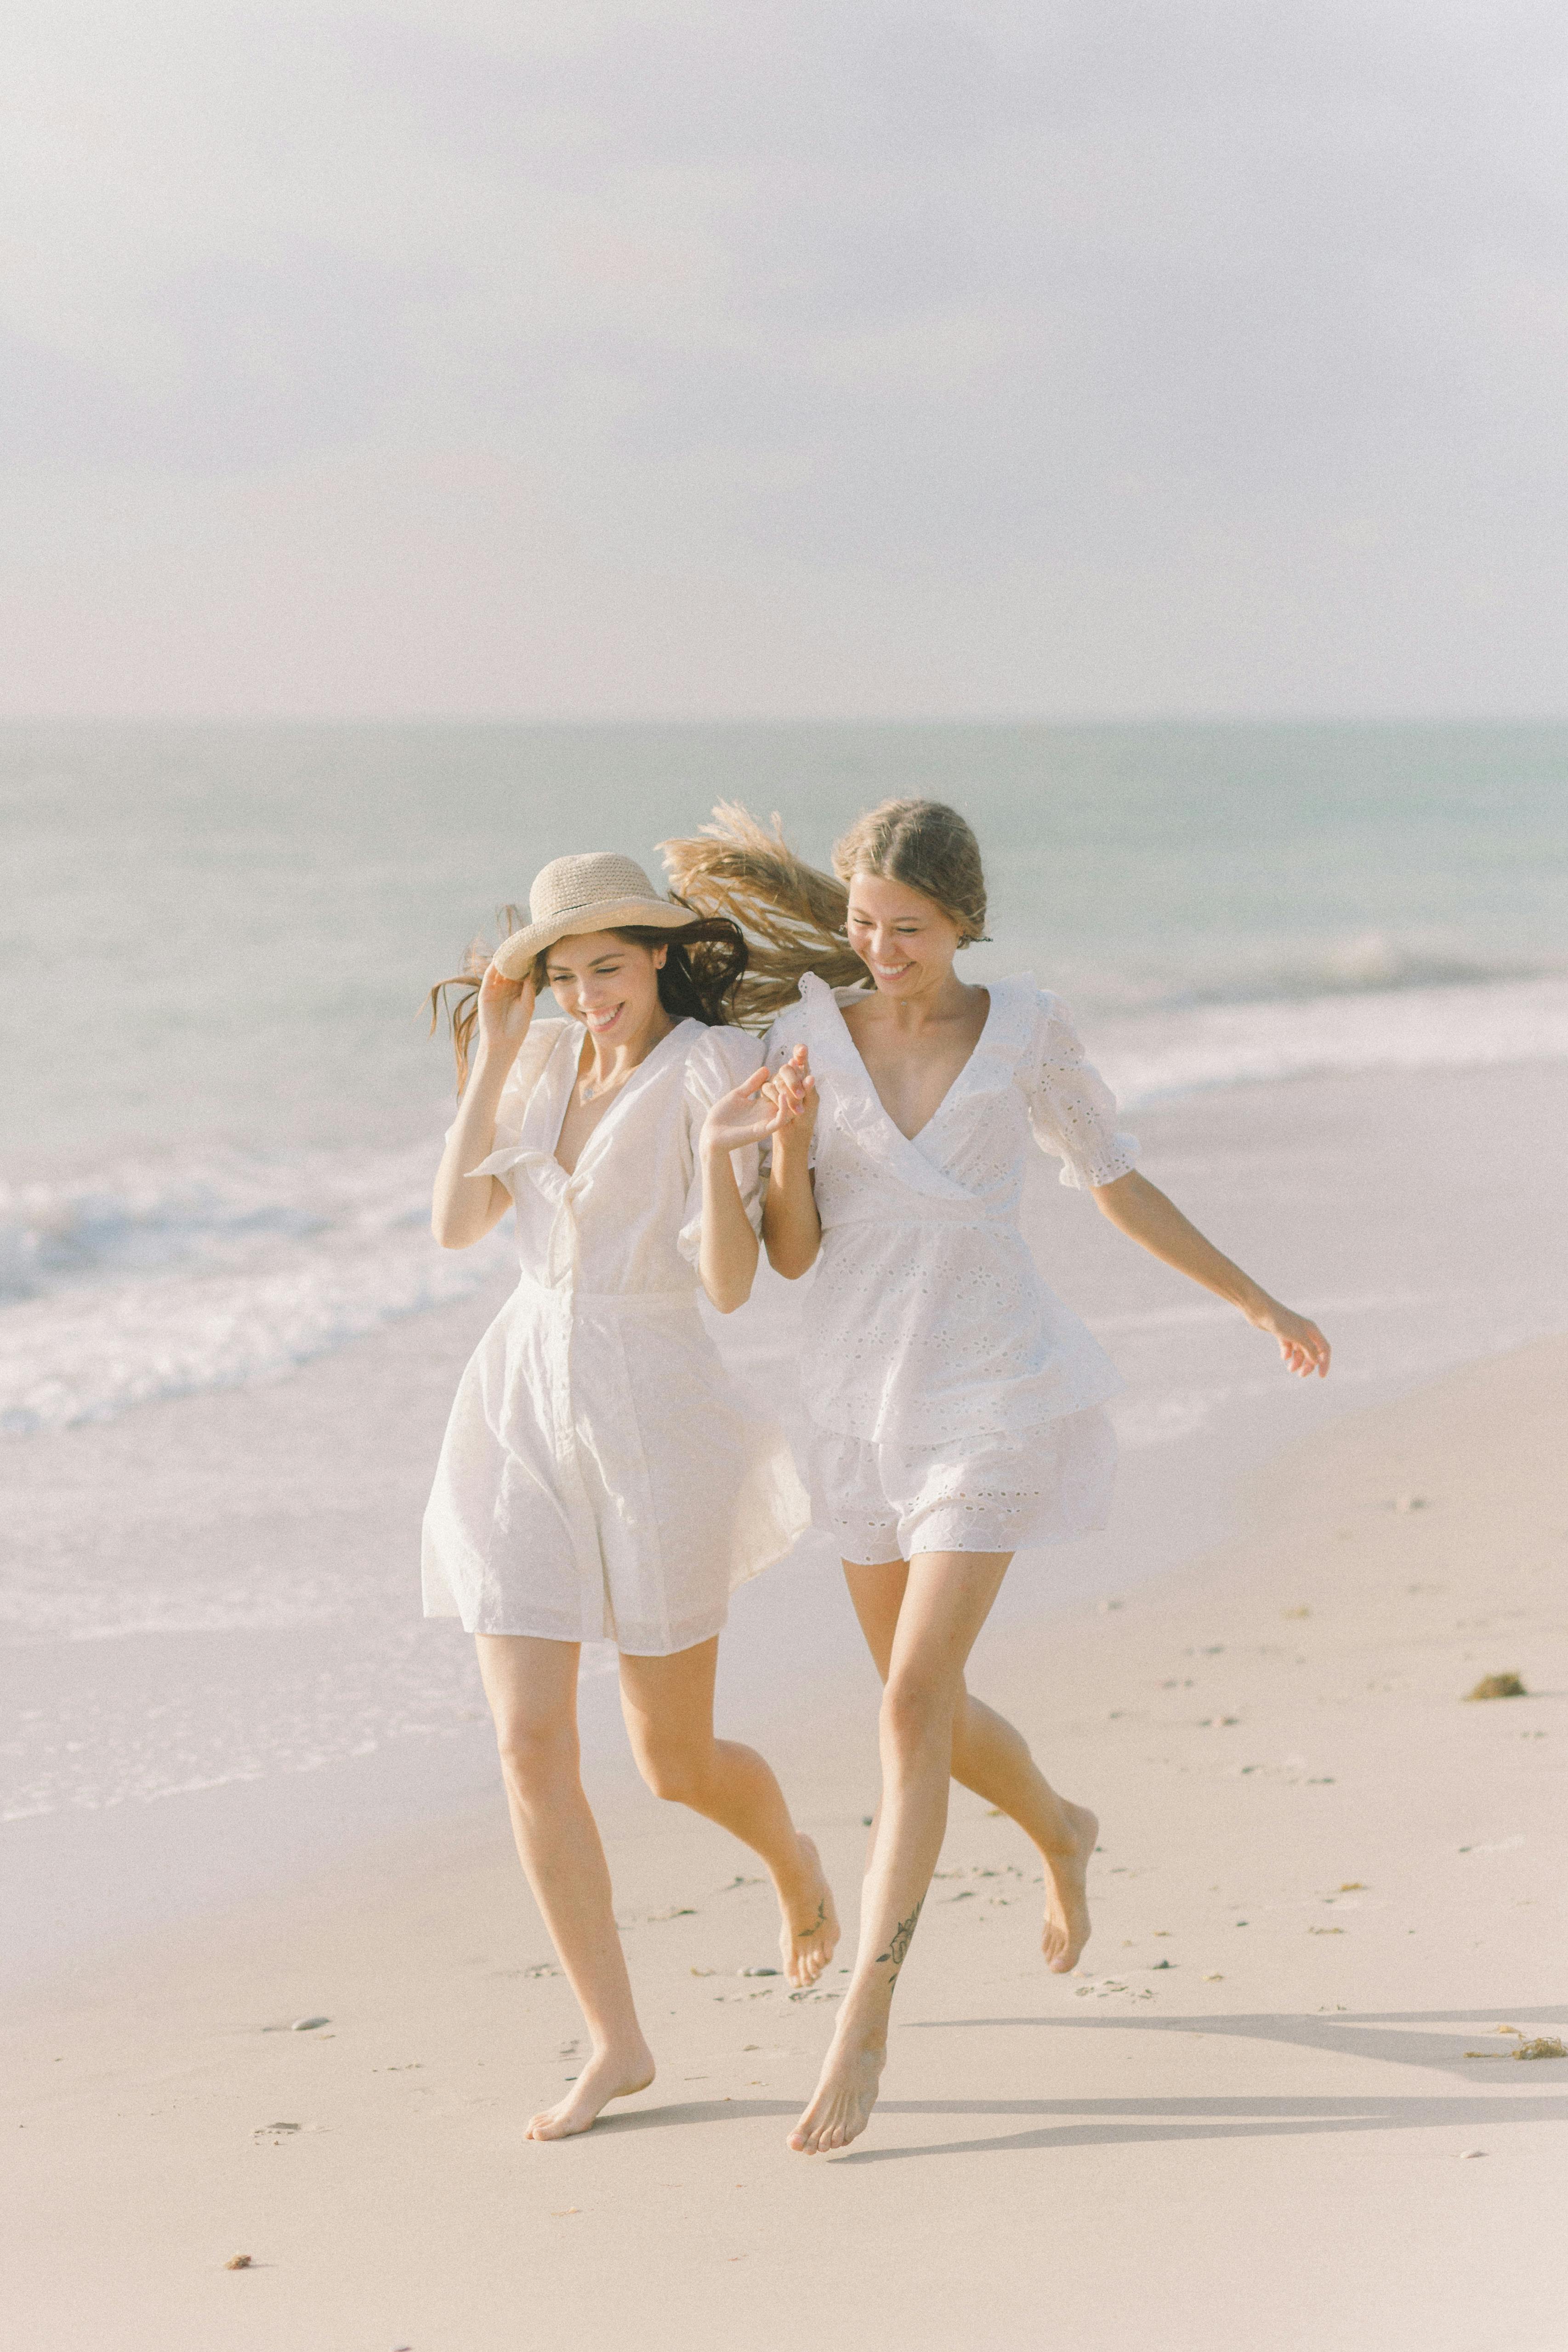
column 147, row 1282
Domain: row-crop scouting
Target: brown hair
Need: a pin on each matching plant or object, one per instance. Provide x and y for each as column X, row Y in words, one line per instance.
column 698, row 979
column 928, row 847
column 793, row 915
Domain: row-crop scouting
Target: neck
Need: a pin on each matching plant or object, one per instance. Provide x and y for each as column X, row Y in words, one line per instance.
column 609, row 1065
column 939, row 1000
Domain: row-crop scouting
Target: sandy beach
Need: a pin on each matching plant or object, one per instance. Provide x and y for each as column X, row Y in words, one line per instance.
column 1328, row 1911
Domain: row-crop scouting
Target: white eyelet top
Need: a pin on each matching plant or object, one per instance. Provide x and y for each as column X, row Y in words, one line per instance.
column 927, row 1321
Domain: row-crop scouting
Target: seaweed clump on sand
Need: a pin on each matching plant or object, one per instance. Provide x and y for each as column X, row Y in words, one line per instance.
column 1545, row 2045
column 1499, row 1686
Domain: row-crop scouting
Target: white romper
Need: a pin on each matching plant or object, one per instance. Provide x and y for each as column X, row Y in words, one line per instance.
column 597, row 1480
column 956, row 1403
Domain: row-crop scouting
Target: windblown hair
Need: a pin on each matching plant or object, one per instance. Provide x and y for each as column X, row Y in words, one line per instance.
column 793, row 915
column 697, row 981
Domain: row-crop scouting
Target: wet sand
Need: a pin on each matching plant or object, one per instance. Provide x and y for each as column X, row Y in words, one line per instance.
column 1248, row 2118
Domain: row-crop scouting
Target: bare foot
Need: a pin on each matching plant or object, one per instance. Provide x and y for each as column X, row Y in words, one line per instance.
column 809, row 1936
column 608, row 2074
column 1066, row 1928
column 842, row 2102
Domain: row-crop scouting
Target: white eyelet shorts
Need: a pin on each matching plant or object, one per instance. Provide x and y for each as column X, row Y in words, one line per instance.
column 888, row 1502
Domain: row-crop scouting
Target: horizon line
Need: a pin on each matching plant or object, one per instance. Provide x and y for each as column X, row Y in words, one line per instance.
column 578, row 719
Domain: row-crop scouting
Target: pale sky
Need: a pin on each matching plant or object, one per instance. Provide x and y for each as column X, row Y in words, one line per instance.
column 1112, row 358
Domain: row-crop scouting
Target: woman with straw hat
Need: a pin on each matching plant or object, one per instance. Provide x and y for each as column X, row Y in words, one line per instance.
column 598, row 1480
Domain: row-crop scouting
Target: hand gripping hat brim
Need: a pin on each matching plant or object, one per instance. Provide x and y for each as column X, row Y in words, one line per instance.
column 599, row 892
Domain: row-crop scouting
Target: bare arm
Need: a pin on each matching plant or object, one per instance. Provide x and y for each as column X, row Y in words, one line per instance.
column 1142, row 1213
column 792, row 1230
column 727, row 1253
column 465, row 1207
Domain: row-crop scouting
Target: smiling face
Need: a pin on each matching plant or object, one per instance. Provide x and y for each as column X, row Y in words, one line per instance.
column 904, row 938
column 609, row 984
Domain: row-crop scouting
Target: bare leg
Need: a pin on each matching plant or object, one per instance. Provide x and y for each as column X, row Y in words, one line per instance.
column 669, row 1707
column 946, row 1600
column 533, row 1690
column 994, row 1759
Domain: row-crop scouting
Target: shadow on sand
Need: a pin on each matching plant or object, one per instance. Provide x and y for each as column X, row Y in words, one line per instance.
column 1406, row 2037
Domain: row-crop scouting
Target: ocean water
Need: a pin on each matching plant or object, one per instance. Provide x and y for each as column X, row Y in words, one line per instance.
column 222, row 1104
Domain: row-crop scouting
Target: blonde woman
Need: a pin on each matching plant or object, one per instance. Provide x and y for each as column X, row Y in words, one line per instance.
column 957, row 1406
column 598, row 1481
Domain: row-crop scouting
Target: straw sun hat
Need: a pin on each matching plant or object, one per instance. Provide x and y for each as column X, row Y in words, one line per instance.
column 597, row 892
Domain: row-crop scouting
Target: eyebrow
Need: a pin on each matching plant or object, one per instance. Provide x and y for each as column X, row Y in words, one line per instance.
column 611, row 955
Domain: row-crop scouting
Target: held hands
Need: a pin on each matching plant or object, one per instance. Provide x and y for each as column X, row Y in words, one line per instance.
column 504, row 1012
column 792, row 1089
column 759, row 1107
column 1303, row 1347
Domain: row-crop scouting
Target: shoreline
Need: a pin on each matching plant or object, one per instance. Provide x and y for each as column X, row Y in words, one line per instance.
column 1323, row 1879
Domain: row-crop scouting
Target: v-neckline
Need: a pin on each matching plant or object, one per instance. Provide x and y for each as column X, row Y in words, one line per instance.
column 953, row 1085
column 629, row 1086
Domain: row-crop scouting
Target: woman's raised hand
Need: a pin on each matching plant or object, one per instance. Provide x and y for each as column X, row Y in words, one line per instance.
column 1303, row 1347
column 505, row 1009
column 743, row 1116
column 792, row 1090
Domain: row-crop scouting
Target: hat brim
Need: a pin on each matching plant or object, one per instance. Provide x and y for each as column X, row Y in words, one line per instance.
column 514, row 955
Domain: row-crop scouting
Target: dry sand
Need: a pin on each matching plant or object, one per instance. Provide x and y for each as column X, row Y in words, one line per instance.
column 1248, row 2121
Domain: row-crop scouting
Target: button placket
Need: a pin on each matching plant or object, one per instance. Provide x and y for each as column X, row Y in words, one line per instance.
column 562, row 1267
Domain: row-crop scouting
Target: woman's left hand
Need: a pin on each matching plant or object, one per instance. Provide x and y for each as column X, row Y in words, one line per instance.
column 743, row 1116
column 1302, row 1345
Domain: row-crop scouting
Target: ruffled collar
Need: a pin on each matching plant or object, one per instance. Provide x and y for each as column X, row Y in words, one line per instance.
column 542, row 1120
column 857, row 1109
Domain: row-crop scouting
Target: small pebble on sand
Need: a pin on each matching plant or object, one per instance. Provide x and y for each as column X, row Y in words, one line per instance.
column 237, row 2263
column 307, row 2025
column 1499, row 1686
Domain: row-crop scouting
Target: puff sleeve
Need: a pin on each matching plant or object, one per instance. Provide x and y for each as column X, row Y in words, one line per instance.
column 718, row 1060
column 1072, row 1111
column 533, row 1055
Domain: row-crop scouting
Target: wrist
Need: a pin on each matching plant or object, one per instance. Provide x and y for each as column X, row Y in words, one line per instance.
column 496, row 1055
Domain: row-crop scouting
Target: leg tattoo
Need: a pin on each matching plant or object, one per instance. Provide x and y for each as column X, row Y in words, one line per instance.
column 903, row 1938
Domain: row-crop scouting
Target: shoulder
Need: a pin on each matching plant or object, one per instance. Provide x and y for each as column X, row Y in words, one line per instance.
column 718, row 1059
column 787, row 1031
column 1052, row 1027
column 533, row 1055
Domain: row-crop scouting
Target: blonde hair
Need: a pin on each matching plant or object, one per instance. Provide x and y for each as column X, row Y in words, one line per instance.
column 794, row 915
